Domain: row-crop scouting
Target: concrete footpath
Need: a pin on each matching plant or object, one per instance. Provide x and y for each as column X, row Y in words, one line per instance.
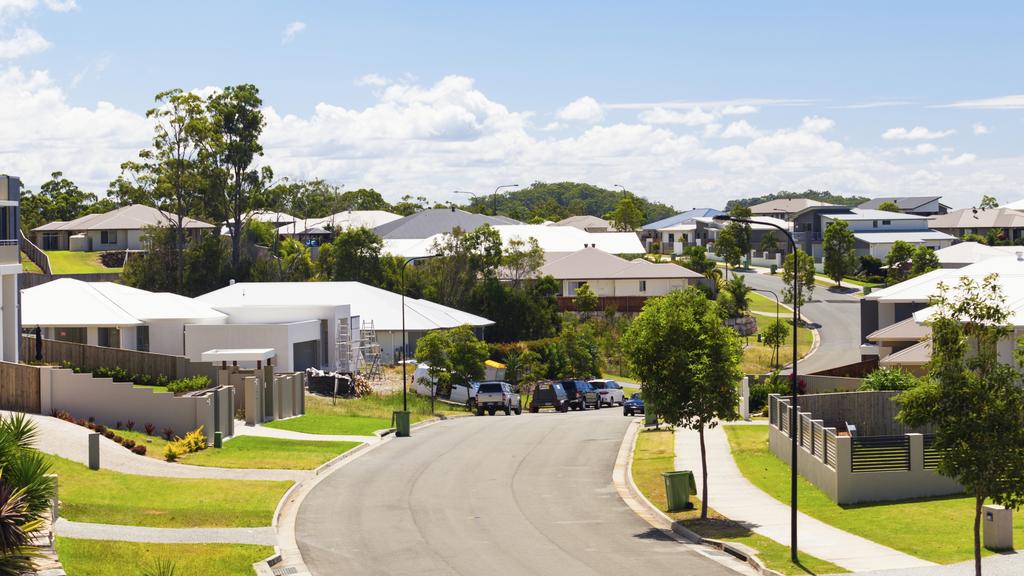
column 266, row 432
column 91, row 531
column 998, row 565
column 735, row 497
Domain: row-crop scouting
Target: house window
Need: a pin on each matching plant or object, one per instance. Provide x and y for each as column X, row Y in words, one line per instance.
column 886, row 222
column 574, row 286
column 874, row 223
column 108, row 237
column 51, row 241
column 643, row 285
column 671, row 237
column 109, row 337
column 76, row 335
column 142, row 338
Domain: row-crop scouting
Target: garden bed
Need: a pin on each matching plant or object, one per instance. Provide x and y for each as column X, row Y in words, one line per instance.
column 109, row 558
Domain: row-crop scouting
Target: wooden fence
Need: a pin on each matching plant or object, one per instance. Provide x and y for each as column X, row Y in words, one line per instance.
column 90, row 358
column 19, row 387
column 37, row 256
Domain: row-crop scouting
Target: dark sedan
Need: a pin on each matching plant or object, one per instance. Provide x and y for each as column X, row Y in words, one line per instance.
column 635, row 405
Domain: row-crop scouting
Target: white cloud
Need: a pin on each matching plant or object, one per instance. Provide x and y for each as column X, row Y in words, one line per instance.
column 741, row 129
column 372, row 80
column 24, row 42
column 584, row 109
column 874, row 104
column 552, row 126
column 959, row 160
column 817, row 124
column 737, row 109
column 693, row 117
column 980, row 129
column 921, row 149
column 61, row 5
column 291, row 31
column 1011, row 102
column 915, row 133
column 95, row 69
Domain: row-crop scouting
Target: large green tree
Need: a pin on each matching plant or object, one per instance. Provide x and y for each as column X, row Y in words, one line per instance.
column 727, row 246
column 973, row 398
column 924, row 260
column 354, row 255
column 462, row 259
column 627, row 215
column 741, row 230
column 58, row 199
column 899, row 261
column 840, row 252
column 688, row 363
column 466, row 355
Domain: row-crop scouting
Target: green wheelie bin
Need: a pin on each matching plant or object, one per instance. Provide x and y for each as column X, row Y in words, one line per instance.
column 679, row 486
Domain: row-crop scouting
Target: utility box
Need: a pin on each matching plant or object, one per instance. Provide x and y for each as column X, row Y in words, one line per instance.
column 997, row 526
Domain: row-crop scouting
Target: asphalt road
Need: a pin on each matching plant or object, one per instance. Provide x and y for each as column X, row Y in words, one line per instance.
column 520, row 495
column 837, row 317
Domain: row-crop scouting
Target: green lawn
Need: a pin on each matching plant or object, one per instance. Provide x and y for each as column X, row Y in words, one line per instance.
column 766, row 304
column 256, row 452
column 28, row 266
column 757, row 356
column 107, row 558
column 655, row 453
column 68, row 262
column 360, row 416
column 937, row 529
column 114, row 498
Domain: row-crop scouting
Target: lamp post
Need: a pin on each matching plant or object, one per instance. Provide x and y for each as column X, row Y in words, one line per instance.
column 793, row 379
column 473, row 194
column 494, row 196
column 402, row 418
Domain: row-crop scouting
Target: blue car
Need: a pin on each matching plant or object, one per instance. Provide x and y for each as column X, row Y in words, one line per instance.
column 635, row 405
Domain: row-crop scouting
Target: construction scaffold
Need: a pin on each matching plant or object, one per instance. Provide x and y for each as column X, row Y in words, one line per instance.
column 369, row 351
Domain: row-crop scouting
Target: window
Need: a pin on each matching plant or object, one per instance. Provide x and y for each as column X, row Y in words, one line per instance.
column 70, row 335
column 643, row 285
column 574, row 286
column 109, row 337
column 108, row 237
column 142, row 338
column 671, row 237
column 874, row 223
column 886, row 222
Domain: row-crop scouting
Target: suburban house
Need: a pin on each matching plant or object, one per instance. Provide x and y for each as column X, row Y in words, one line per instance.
column 113, row 315
column 764, row 226
column 624, row 284
column 875, row 231
column 427, row 223
column 671, row 235
column 1006, row 223
column 966, row 253
column 551, row 239
column 916, row 205
column 119, row 229
column 319, row 231
column 586, row 223
column 332, row 317
column 784, row 208
column 10, row 266
column 1016, row 205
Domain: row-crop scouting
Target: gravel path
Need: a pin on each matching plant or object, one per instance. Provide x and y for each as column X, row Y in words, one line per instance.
column 71, row 441
column 88, row 530
column 242, row 430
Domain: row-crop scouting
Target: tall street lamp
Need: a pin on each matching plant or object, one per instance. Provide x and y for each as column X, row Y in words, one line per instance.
column 473, row 194
column 494, row 196
column 402, row 418
column 792, row 383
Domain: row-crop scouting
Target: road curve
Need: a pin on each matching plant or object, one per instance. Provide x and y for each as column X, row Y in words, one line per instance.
column 518, row 495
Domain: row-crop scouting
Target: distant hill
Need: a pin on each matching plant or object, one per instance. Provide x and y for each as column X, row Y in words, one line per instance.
column 558, row 200
column 822, row 196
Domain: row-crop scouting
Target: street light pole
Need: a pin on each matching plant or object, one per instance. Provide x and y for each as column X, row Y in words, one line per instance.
column 494, row 196
column 405, row 346
column 793, row 463
column 473, row 194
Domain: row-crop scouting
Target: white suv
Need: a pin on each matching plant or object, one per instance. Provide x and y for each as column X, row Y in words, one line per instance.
column 609, row 390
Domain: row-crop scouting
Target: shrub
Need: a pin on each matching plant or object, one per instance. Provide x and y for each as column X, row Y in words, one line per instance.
column 759, row 391
column 90, row 425
column 190, row 384
column 109, row 434
column 130, row 425
column 128, row 443
column 168, row 434
column 100, row 428
column 119, row 439
column 80, row 422
column 194, row 441
column 139, row 449
column 150, row 428
column 889, row 379
column 773, row 268
column 113, row 258
column 170, row 454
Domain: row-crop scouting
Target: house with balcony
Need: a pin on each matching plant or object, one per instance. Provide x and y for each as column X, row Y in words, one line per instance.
column 119, row 229
column 875, row 231
column 10, row 266
column 673, row 234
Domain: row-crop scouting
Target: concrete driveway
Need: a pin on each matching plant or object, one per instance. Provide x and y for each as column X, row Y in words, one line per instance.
column 521, row 495
column 836, row 315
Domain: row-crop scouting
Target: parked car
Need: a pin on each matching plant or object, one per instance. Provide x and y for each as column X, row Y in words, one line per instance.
column 581, row 395
column 459, row 393
column 610, row 391
column 635, row 405
column 494, row 396
column 549, row 394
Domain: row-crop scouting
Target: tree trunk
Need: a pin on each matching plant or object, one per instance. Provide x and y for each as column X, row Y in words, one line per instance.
column 704, row 476
column 978, row 501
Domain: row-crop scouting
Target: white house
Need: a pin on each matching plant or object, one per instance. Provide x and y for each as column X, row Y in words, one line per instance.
column 10, row 266
column 551, row 239
column 119, row 229
column 875, row 231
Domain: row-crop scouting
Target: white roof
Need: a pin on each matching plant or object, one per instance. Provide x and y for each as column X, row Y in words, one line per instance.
column 238, row 354
column 966, row 253
column 550, row 238
column 868, row 214
column 74, row 303
column 383, row 307
column 922, row 288
column 595, row 264
column 583, row 222
column 911, row 236
column 1018, row 205
column 760, row 222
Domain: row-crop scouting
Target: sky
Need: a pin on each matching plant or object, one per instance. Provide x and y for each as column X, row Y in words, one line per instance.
column 687, row 103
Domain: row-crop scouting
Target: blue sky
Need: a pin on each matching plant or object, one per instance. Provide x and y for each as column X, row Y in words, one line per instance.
column 689, row 103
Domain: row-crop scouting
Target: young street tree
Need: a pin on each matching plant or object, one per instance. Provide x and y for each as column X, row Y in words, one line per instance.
column 923, row 260
column 899, row 261
column 727, row 246
column 769, row 242
column 434, row 349
column 466, row 355
column 839, row 250
column 688, row 362
column 585, row 300
column 805, row 268
column 627, row 214
column 974, row 401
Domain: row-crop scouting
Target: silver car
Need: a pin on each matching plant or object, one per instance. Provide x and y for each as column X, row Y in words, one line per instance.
column 610, row 391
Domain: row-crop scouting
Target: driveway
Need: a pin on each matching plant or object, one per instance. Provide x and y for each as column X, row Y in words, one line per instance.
column 836, row 315
column 521, row 495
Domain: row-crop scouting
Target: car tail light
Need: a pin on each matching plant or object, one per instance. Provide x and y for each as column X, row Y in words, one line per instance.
column 603, row 392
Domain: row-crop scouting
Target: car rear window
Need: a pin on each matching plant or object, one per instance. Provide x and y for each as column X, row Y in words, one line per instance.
column 599, row 385
column 490, row 388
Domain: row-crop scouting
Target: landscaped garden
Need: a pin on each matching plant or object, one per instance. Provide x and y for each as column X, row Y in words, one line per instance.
column 111, row 497
column 68, row 262
column 936, row 529
column 359, row 416
column 107, row 558
column 655, row 453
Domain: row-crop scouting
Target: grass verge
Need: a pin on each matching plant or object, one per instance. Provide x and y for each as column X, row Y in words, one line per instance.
column 935, row 529
column 257, row 452
column 68, row 262
column 655, row 453
column 359, row 416
column 108, row 558
column 757, row 356
column 113, row 498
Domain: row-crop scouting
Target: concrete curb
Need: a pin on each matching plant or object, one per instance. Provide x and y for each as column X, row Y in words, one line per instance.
column 626, row 452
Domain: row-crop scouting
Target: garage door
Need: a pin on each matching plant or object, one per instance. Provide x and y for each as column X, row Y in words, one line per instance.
column 304, row 355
